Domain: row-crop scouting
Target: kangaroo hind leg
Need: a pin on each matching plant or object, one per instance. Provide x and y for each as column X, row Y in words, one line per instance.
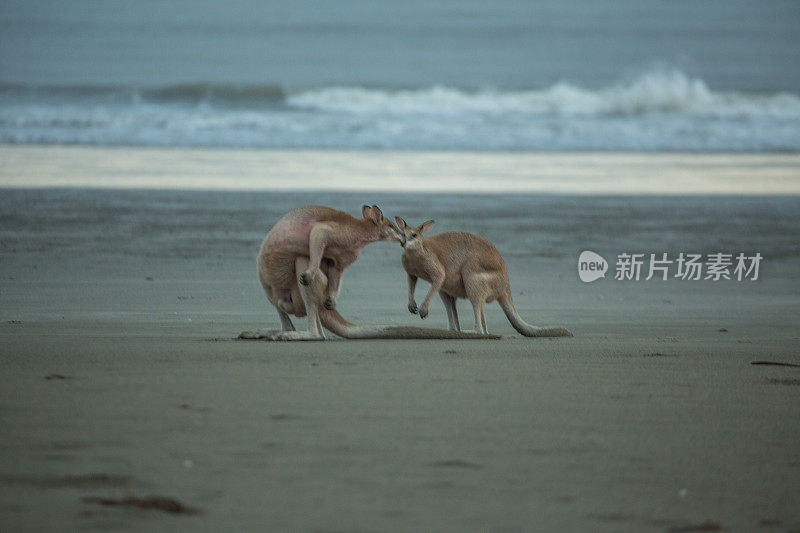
column 283, row 304
column 478, row 289
column 452, row 311
column 286, row 322
column 280, row 299
column 310, row 296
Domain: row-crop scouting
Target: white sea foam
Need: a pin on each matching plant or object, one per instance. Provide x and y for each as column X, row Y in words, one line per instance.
column 659, row 91
column 662, row 110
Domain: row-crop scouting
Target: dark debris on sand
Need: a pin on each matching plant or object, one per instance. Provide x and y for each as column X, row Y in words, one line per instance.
column 50, row 377
column 775, row 363
column 705, row 526
column 158, row 503
column 788, row 381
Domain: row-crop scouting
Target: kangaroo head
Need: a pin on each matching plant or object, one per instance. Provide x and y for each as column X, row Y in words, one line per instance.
column 412, row 236
column 388, row 231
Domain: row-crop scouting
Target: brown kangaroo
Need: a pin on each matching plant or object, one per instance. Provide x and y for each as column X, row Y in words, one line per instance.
column 300, row 267
column 462, row 265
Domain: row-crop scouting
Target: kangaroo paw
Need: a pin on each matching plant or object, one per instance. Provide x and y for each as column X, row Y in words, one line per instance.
column 329, row 304
column 305, row 279
column 412, row 308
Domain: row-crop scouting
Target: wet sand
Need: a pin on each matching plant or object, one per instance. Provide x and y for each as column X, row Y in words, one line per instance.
column 121, row 375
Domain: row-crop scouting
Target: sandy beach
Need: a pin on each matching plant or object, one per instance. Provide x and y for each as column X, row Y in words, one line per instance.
column 637, row 166
column 121, row 376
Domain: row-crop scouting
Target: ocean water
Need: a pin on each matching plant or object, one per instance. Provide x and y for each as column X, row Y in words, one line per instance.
column 224, row 225
column 645, row 75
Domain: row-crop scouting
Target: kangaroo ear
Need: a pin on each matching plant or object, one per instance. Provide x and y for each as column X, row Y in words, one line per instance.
column 400, row 223
column 366, row 211
column 425, row 227
column 376, row 216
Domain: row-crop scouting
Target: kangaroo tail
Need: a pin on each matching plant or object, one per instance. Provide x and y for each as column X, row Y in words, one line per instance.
column 507, row 304
column 337, row 324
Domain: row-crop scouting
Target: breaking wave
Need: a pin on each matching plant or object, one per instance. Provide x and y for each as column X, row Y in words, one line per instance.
column 665, row 92
column 663, row 110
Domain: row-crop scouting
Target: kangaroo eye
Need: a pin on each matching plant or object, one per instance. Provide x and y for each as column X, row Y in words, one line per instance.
column 413, row 235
